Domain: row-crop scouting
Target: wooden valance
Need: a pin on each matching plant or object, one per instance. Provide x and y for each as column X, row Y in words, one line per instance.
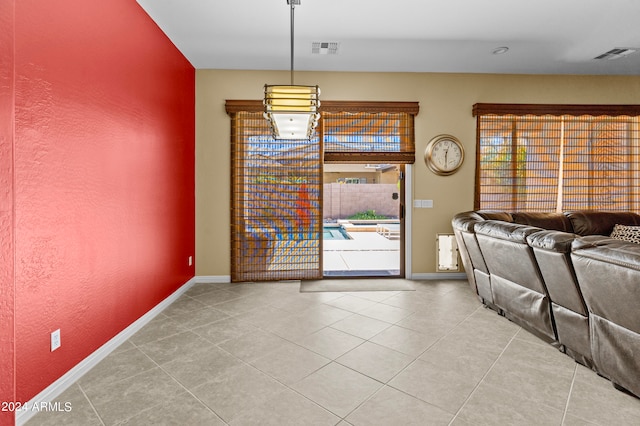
column 234, row 106
column 555, row 109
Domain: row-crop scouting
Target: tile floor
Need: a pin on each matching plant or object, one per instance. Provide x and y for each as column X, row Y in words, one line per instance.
column 266, row 354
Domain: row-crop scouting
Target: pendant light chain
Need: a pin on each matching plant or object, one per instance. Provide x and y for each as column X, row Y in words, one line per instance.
column 292, row 10
column 292, row 111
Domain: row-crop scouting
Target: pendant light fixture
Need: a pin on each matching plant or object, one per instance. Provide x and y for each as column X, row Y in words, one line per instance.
column 292, row 111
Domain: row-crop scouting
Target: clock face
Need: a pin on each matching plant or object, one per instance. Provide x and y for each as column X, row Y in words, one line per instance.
column 444, row 155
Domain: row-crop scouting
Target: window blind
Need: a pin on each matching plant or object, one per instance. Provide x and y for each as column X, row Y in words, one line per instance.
column 368, row 132
column 552, row 162
column 276, row 206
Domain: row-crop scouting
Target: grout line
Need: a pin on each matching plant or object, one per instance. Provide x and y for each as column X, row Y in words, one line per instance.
column 335, row 361
column 147, row 408
column 416, row 359
column 91, row 404
column 384, row 385
column 483, row 377
column 182, row 386
column 288, row 387
column 573, row 380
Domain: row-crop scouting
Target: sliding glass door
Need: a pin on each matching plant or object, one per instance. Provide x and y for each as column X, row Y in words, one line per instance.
column 277, row 185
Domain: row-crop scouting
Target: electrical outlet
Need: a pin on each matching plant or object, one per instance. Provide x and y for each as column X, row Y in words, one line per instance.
column 55, row 340
column 190, row 260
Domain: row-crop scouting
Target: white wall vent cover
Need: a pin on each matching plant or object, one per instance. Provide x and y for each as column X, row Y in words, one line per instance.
column 324, row 48
column 618, row 52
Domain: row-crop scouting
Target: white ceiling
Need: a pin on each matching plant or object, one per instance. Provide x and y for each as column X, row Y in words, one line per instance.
column 543, row 36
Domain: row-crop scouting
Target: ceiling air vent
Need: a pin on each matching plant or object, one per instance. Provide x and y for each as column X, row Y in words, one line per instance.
column 619, row 52
column 324, row 48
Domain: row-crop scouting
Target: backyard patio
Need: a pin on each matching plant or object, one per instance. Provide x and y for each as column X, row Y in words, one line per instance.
column 368, row 252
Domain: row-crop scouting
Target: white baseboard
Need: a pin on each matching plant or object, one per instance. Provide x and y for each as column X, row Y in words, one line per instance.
column 439, row 276
column 212, row 279
column 70, row 377
column 220, row 279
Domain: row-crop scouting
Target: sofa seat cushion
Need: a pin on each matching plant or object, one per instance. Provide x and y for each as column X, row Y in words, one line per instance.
column 626, row 233
column 608, row 250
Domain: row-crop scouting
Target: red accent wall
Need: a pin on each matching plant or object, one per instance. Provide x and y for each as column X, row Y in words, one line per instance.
column 104, row 178
column 7, row 282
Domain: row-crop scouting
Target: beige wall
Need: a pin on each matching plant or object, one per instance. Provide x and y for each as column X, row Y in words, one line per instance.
column 445, row 101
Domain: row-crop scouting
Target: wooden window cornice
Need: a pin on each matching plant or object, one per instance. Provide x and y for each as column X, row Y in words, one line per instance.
column 233, row 106
column 554, row 109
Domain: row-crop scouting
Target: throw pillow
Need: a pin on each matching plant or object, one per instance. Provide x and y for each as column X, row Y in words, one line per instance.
column 626, row 233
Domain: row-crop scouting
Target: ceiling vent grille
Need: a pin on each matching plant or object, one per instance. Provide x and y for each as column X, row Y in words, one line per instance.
column 324, row 48
column 619, row 52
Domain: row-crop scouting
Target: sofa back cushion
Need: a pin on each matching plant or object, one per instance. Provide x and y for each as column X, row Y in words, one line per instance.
column 516, row 284
column 464, row 228
column 553, row 241
column 466, row 221
column 513, row 232
column 495, row 215
column 594, row 222
column 551, row 221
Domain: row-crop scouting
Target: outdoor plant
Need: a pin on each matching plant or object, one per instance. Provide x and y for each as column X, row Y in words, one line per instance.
column 367, row 215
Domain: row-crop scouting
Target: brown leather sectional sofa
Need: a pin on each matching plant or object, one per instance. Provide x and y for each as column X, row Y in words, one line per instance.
column 560, row 276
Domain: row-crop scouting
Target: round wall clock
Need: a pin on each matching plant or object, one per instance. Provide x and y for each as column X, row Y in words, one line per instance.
column 444, row 155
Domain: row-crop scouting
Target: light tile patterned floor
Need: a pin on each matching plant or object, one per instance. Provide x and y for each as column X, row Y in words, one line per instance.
column 266, row 354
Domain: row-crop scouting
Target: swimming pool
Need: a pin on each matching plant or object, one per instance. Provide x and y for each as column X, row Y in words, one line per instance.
column 334, row 233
